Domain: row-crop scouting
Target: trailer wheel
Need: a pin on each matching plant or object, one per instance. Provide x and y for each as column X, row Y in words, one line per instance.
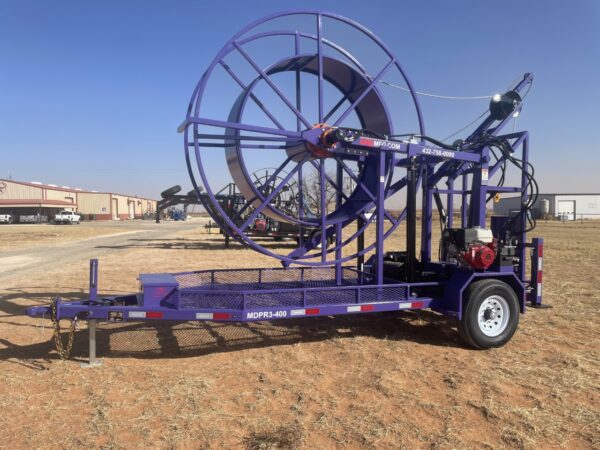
column 490, row 314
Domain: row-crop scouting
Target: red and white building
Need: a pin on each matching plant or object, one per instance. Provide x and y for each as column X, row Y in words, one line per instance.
column 21, row 198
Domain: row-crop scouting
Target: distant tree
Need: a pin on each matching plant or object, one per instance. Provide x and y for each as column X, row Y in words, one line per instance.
column 312, row 193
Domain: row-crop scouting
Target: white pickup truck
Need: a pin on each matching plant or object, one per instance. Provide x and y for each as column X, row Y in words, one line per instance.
column 6, row 218
column 67, row 217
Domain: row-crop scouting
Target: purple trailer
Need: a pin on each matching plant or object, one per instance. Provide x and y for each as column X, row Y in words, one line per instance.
column 343, row 138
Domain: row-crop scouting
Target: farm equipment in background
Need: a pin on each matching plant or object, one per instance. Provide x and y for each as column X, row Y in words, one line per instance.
column 170, row 199
column 480, row 275
column 235, row 206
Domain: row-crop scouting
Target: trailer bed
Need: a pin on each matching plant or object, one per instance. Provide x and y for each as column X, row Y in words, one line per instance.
column 244, row 295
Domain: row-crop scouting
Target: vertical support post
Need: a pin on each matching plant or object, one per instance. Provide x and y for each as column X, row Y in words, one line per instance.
column 360, row 244
column 298, row 100
column 339, row 179
column 523, row 222
column 93, row 361
column 320, row 64
column 478, row 207
column 338, row 254
column 299, row 128
column 380, row 217
column 411, row 221
column 323, row 186
column 464, row 209
column 300, row 206
column 450, row 202
column 427, row 212
column 93, row 280
column 360, row 241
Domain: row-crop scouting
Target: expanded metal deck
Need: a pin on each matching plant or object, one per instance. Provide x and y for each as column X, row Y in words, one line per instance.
column 270, row 288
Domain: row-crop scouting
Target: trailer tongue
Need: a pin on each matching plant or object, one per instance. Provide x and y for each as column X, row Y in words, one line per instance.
column 480, row 275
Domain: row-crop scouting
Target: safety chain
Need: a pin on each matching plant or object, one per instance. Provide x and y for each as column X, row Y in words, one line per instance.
column 63, row 351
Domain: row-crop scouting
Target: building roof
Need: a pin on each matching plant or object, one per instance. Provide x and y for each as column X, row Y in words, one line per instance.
column 35, row 202
column 68, row 189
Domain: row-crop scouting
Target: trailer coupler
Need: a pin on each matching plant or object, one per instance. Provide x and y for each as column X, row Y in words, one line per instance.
column 38, row 311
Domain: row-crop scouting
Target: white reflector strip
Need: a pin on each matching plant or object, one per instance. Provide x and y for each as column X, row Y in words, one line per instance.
column 539, row 291
column 354, row 308
column 539, row 263
column 297, row 312
column 204, row 315
column 137, row 314
column 404, row 305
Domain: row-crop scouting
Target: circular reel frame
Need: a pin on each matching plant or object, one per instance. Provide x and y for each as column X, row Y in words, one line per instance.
column 372, row 174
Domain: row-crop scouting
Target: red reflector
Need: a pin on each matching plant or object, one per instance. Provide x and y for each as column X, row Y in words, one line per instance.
column 540, row 276
column 154, row 315
column 540, row 251
column 221, row 316
column 417, row 304
column 367, row 307
column 310, row 311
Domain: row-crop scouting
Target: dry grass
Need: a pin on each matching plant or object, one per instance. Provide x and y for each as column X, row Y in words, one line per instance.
column 380, row 381
column 17, row 237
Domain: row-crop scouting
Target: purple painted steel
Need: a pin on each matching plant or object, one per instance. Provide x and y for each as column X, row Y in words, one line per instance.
column 247, row 295
column 325, row 287
column 523, row 221
column 93, row 279
column 450, row 202
column 370, row 112
column 237, row 42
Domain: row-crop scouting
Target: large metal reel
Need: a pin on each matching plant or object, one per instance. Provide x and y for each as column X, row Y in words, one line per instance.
column 361, row 102
column 371, row 112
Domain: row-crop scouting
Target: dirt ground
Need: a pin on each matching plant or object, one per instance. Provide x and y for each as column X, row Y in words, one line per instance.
column 394, row 380
column 16, row 237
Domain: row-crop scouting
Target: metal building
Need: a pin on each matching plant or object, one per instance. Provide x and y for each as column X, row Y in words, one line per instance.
column 559, row 206
column 26, row 199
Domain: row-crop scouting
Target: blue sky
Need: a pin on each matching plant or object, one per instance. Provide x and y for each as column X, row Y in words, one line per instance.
column 91, row 93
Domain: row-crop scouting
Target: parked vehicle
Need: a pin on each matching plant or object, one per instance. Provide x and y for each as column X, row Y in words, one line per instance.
column 6, row 218
column 32, row 218
column 67, row 217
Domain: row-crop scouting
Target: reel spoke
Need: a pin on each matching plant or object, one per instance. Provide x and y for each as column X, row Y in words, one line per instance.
column 245, row 127
column 252, row 96
column 265, row 77
column 336, row 107
column 320, row 65
column 268, row 199
column 261, row 188
column 364, row 93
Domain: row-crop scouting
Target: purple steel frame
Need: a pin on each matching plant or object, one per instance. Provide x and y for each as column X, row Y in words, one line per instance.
column 367, row 187
column 326, row 286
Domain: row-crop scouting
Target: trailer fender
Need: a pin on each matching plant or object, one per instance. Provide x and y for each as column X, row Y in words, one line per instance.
column 461, row 279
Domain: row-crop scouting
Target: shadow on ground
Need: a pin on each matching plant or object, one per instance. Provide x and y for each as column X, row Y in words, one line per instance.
column 189, row 244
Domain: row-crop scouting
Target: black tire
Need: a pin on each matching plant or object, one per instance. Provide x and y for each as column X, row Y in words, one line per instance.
column 171, row 191
column 497, row 329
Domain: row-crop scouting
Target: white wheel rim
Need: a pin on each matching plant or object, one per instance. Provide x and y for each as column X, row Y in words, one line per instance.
column 493, row 315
